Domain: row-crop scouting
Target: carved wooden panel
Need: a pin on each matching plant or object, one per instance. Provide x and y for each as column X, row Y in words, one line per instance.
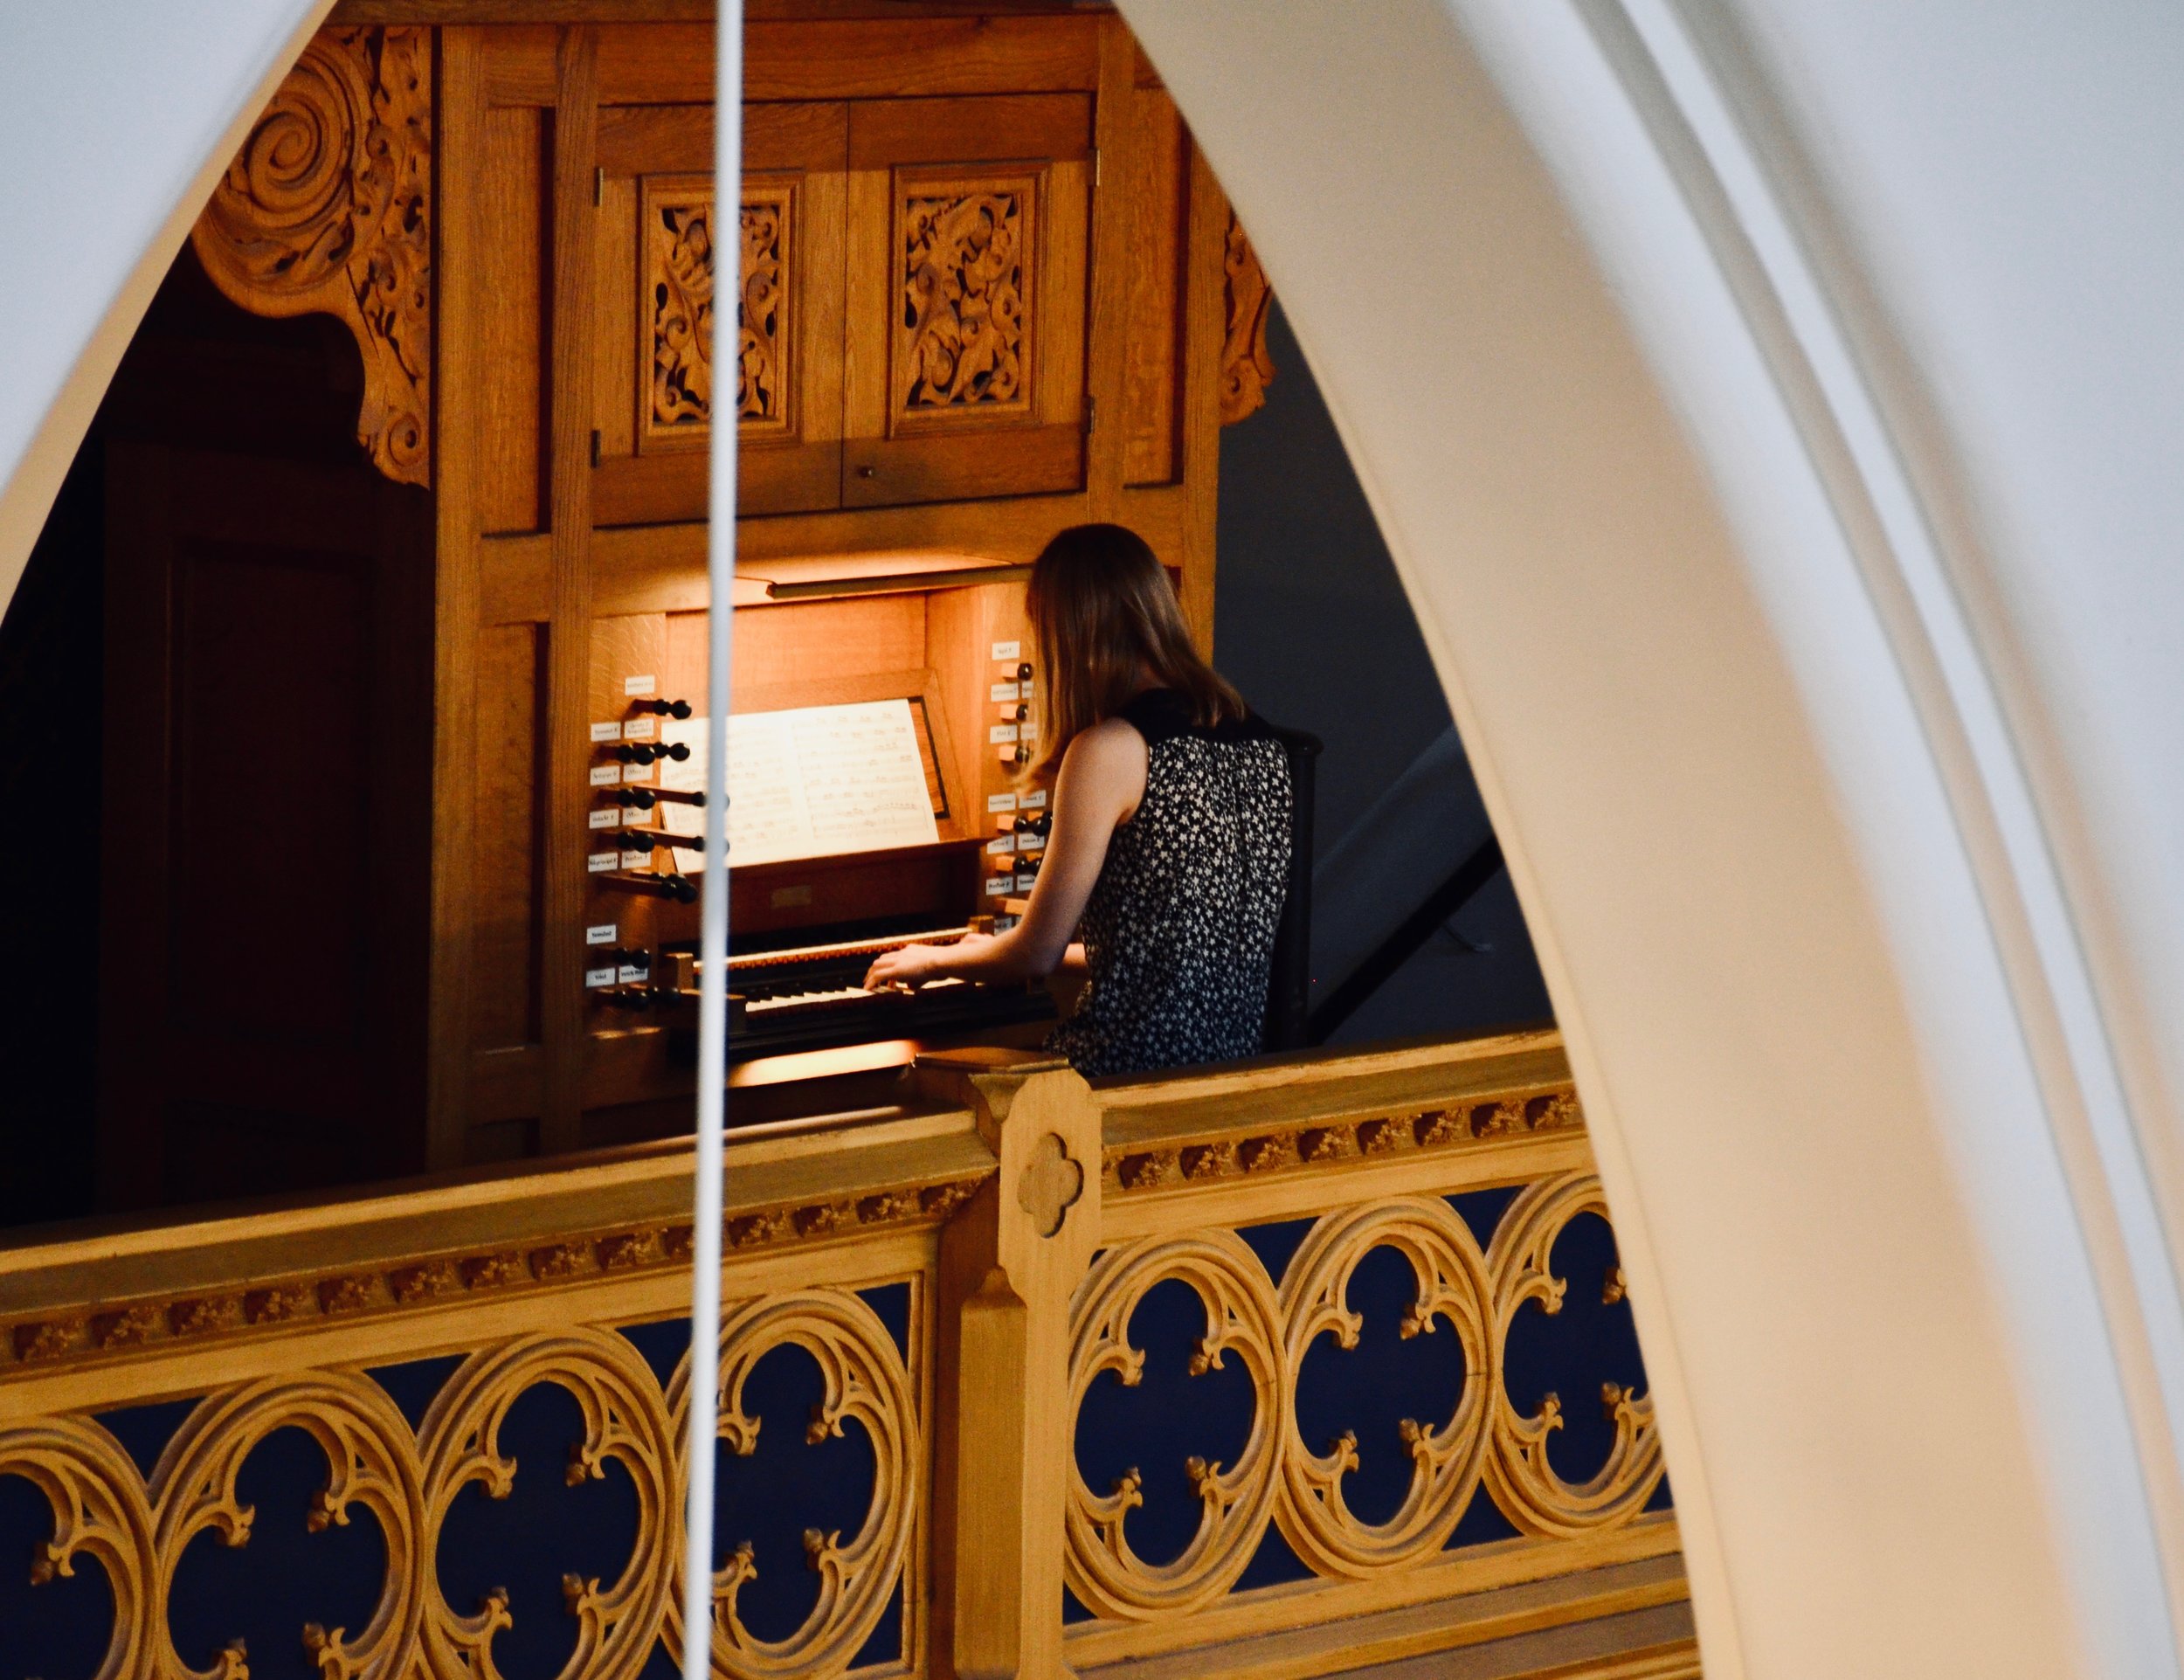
column 675, row 312
column 963, row 339
column 327, row 209
column 677, row 402
column 1247, row 369
column 762, row 307
column 658, row 386
column 969, row 236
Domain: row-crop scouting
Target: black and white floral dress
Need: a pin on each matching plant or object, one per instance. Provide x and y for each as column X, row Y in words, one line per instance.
column 1179, row 933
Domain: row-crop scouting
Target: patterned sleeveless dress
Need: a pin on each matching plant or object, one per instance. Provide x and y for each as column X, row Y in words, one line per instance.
column 1179, row 933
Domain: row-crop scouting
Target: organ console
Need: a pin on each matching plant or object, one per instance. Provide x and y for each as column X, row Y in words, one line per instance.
column 471, row 558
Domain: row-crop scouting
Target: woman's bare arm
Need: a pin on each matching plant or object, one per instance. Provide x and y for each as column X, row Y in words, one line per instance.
column 1101, row 780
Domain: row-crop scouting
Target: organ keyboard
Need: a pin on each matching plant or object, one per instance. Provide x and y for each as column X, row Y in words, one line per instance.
column 809, row 997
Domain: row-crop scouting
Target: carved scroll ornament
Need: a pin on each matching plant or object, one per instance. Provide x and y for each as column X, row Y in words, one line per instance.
column 681, row 264
column 1247, row 369
column 676, row 410
column 762, row 310
column 326, row 210
column 964, row 340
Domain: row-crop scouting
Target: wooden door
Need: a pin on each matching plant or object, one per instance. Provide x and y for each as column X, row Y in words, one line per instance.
column 655, row 397
column 267, row 752
column 968, row 235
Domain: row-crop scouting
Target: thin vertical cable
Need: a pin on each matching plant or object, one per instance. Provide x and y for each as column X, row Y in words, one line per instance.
column 705, row 1246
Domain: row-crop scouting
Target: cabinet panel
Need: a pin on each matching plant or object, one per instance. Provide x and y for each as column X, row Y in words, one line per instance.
column 1157, row 189
column 266, row 708
column 511, row 414
column 655, row 396
column 968, row 229
column 503, row 893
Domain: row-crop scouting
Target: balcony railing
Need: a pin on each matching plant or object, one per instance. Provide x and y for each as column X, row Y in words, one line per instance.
column 1278, row 1371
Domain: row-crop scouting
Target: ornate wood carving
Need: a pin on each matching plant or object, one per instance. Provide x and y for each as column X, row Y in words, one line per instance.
column 536, row 1303
column 1247, row 369
column 1523, row 1484
column 100, row 1512
column 1297, row 1485
column 137, row 1529
column 964, row 341
column 371, row 1464
column 626, row 1421
column 1050, row 1186
column 762, row 364
column 419, row 1284
column 1278, row 1147
column 676, row 319
column 865, row 1383
column 675, row 316
column 1242, row 1320
column 327, row 209
column 1454, row 1294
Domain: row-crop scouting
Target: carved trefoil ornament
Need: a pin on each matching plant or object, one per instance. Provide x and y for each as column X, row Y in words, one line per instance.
column 674, row 353
column 963, row 337
column 1247, row 369
column 327, row 209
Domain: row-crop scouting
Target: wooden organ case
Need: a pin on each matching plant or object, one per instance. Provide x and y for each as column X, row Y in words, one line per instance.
column 986, row 289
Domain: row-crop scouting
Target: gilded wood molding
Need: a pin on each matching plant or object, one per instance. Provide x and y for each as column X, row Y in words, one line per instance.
column 1268, row 1145
column 327, row 209
column 308, row 1300
column 1247, row 369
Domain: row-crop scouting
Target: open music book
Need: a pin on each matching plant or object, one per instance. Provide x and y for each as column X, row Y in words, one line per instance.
column 813, row 782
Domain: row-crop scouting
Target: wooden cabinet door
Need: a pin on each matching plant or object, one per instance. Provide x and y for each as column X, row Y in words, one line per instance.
column 268, row 749
column 658, row 387
column 968, row 232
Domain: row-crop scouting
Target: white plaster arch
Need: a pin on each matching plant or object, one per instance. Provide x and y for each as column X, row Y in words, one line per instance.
column 1710, row 580
column 1791, row 539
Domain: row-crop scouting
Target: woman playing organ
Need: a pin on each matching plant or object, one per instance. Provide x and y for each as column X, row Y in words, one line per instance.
column 1166, row 867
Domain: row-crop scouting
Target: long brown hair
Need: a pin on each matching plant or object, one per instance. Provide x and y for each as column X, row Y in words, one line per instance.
column 1104, row 612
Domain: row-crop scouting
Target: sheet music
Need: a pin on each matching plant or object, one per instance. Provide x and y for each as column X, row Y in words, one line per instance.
column 813, row 782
